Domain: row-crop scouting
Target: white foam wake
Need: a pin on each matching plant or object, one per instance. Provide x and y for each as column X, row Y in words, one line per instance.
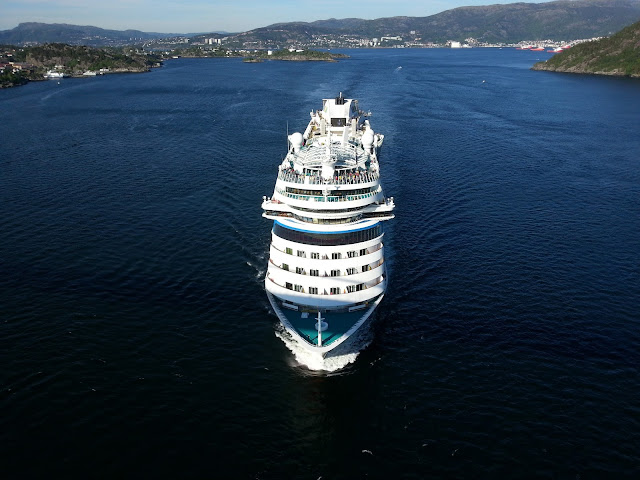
column 336, row 359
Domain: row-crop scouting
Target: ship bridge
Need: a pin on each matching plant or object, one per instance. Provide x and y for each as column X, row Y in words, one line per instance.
column 339, row 111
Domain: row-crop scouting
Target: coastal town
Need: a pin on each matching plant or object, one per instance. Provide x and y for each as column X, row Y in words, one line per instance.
column 331, row 41
column 18, row 65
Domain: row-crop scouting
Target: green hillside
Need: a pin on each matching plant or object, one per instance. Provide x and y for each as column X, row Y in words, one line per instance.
column 616, row 55
column 77, row 59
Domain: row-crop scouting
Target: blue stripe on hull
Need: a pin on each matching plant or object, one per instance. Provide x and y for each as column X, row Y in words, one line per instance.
column 325, row 232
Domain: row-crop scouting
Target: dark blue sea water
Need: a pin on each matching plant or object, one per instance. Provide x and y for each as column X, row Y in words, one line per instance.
column 136, row 340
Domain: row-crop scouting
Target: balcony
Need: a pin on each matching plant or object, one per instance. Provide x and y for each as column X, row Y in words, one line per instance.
column 326, row 291
column 327, row 272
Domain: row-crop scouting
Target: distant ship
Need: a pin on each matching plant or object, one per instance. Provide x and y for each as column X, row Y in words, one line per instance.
column 51, row 74
column 327, row 273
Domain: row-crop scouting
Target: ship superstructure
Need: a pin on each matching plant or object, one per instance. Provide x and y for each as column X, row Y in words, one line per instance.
column 326, row 271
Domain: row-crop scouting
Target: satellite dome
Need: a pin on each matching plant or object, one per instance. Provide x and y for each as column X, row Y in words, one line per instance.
column 367, row 139
column 296, row 139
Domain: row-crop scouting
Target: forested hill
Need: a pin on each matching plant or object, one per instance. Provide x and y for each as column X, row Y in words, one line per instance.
column 616, row 55
column 75, row 59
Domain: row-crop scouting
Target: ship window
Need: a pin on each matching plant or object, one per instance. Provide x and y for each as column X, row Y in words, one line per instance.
column 365, row 268
column 335, row 273
column 313, row 290
column 300, row 270
column 334, row 290
column 313, row 273
column 359, row 287
column 301, row 253
column 336, row 256
column 285, row 267
column 298, row 288
column 289, row 251
column 338, row 122
column 289, row 286
column 363, row 251
column 351, row 254
column 315, row 255
column 351, row 271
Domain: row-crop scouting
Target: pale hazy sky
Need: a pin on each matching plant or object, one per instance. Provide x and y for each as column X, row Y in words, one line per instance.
column 191, row 16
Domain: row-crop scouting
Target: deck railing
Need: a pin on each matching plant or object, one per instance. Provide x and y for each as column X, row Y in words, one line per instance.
column 326, row 274
column 290, row 175
column 330, row 199
column 369, row 251
column 365, row 286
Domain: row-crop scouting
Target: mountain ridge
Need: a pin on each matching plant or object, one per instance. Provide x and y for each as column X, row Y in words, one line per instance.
column 513, row 22
column 38, row 32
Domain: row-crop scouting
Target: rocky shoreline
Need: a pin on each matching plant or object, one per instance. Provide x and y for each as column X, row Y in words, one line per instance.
column 23, row 80
column 584, row 70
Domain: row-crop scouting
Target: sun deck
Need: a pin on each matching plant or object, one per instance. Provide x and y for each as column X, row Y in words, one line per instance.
column 315, row 154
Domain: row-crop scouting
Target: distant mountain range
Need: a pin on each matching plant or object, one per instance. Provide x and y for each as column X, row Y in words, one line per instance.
column 33, row 32
column 559, row 20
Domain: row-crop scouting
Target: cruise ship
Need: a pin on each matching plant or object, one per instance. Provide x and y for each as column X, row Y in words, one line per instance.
column 327, row 273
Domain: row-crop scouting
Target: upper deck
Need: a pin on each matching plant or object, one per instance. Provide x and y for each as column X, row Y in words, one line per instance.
column 338, row 145
column 313, row 177
column 317, row 151
column 332, row 169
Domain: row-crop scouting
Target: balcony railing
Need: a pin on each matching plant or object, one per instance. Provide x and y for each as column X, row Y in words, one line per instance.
column 324, row 291
column 330, row 199
column 327, row 274
column 290, row 175
column 369, row 251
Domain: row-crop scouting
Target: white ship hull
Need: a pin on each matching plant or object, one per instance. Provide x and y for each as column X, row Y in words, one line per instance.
column 326, row 272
